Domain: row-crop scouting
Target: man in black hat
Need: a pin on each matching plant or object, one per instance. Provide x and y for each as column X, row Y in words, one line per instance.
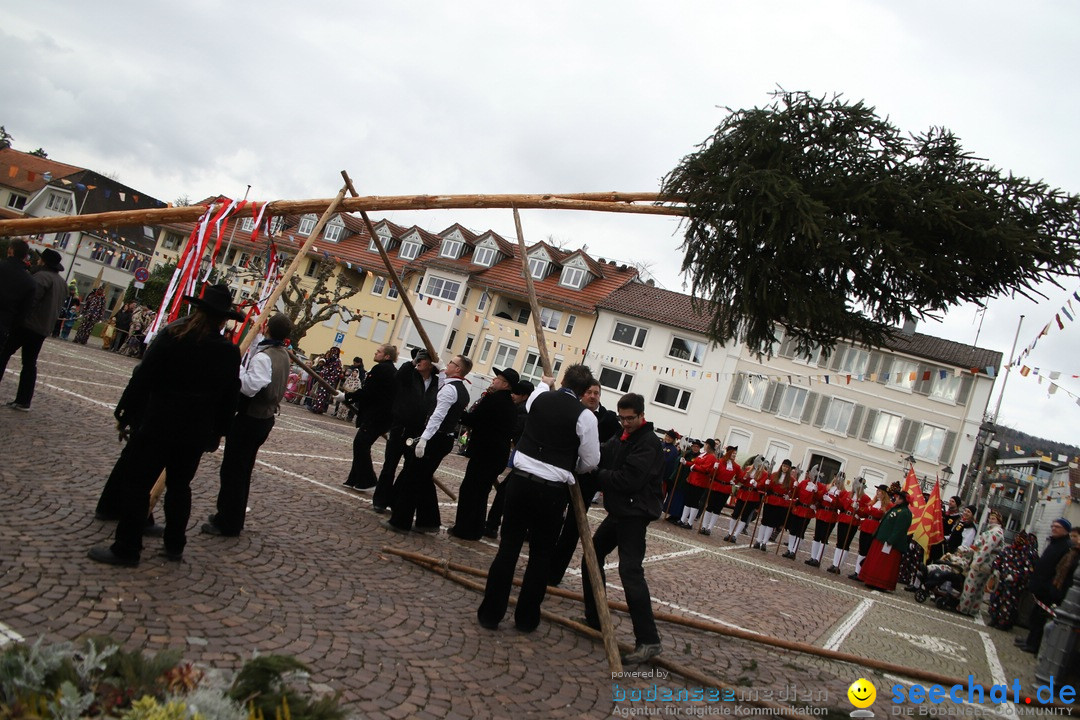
column 16, row 288
column 180, row 400
column 29, row 334
column 262, row 386
column 492, row 422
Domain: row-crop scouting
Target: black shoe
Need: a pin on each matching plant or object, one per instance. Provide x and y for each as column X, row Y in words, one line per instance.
column 642, row 653
column 705, row 531
column 525, row 629
column 493, row 534
column 171, row 556
column 813, row 563
column 381, row 509
column 212, row 529
column 729, row 538
column 685, row 525
column 853, row 576
column 487, row 624
column 394, row 528
column 1029, row 649
column 427, row 529
column 834, row 570
column 788, row 554
column 910, row 588
column 103, row 554
column 1020, row 642
column 594, row 624
column 154, row 530
column 763, row 547
column 348, row 484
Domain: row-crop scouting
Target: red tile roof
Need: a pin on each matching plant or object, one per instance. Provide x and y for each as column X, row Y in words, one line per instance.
column 30, row 170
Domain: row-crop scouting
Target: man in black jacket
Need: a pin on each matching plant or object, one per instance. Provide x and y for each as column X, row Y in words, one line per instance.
column 372, row 420
column 492, row 421
column 1042, row 585
column 16, row 288
column 631, row 467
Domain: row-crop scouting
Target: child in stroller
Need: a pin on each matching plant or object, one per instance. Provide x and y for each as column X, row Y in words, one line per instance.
column 944, row 580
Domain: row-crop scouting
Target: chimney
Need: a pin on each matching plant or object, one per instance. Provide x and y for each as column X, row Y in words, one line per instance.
column 909, row 327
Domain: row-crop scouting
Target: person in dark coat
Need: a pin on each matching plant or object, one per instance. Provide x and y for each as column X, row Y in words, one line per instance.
column 29, row 335
column 371, row 400
column 519, row 394
column 417, row 385
column 186, row 390
column 1042, row 587
column 630, row 476
column 123, row 325
column 492, row 425
column 882, row 566
column 16, row 288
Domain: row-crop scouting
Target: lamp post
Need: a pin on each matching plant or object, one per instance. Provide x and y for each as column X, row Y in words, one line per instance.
column 946, row 473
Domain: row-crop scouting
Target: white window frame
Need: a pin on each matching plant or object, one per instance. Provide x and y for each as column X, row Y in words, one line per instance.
column 247, row 224
column 695, row 348
column 682, row 403
column 881, row 433
column 641, row 334
column 930, row 442
column 470, row 340
column 571, row 320
column 507, row 351
column 945, row 389
column 855, row 361
column 485, row 349
column 451, row 248
column 59, row 202
column 532, row 369
column 572, row 277
column 550, row 319
column 443, row 288
column 307, row 224
column 753, row 393
column 792, row 403
column 409, row 250
column 838, row 416
column 391, row 292
column 538, row 267
column 484, row 256
column 332, row 231
column 873, row 477
column 378, row 287
column 382, row 331
column 363, row 328
column 777, row 451
column 812, row 358
column 621, row 383
column 901, row 379
column 171, row 241
column 17, row 201
column 482, row 301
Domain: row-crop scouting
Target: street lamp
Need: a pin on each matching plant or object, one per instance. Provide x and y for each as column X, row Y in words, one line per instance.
column 946, row 473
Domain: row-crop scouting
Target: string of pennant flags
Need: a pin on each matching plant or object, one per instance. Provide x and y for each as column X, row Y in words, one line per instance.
column 14, row 172
column 1068, row 310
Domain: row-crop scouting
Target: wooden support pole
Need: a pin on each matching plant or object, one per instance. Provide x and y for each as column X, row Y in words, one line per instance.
column 402, row 294
column 271, row 301
column 600, row 202
column 611, row 647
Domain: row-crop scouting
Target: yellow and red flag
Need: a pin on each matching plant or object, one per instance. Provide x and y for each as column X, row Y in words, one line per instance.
column 928, row 528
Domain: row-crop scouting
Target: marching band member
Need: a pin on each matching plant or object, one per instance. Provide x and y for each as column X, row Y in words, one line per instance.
column 701, row 468
column 747, row 498
column 847, row 524
column 804, row 495
column 777, row 489
column 827, row 500
column 727, row 472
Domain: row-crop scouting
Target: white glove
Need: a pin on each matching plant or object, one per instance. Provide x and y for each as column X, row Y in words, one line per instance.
column 339, row 397
column 418, row 448
column 886, row 549
column 715, row 466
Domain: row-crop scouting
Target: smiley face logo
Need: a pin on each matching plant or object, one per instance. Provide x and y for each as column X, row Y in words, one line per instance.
column 862, row 693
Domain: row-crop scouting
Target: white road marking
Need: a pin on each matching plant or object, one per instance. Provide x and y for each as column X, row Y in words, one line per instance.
column 997, row 672
column 7, row 635
column 849, row 623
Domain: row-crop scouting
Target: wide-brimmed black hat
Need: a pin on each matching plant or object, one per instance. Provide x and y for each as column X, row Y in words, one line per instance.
column 52, row 258
column 216, row 300
column 509, row 374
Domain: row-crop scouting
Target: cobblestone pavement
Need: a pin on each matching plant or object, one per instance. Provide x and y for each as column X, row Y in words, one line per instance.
column 308, row 577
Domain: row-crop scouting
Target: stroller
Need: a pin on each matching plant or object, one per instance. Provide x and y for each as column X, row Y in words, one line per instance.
column 944, row 583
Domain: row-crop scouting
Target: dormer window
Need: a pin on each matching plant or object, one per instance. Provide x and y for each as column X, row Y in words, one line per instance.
column 307, row 224
column 538, row 268
column 275, row 225
column 409, row 250
column 572, row 277
column 484, row 256
column 247, row 224
column 59, row 202
column 384, row 239
column 333, row 230
column 451, row 248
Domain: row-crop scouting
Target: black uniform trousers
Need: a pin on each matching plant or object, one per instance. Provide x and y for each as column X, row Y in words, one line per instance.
column 362, row 472
column 242, row 444
column 149, row 455
column 569, row 535
column 30, row 343
column 480, row 474
column 383, row 497
column 110, row 505
column 534, row 510
column 414, row 490
column 628, row 535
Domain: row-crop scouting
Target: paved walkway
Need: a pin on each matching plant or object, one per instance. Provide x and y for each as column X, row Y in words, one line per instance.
column 308, row 577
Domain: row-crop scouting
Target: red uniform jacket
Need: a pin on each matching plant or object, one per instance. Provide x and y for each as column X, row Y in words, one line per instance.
column 701, row 469
column 805, row 494
column 849, row 508
column 828, row 503
column 776, row 493
column 729, row 472
column 871, row 515
column 750, row 490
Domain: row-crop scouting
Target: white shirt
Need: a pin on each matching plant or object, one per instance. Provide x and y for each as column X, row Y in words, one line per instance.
column 256, row 375
column 443, row 401
column 588, row 447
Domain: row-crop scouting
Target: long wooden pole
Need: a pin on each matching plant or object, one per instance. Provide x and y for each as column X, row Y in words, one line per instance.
column 611, row 646
column 271, row 301
column 402, row 294
column 601, row 202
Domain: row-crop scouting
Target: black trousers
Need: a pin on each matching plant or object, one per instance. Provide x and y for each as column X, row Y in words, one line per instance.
column 110, row 505
column 414, row 490
column 242, row 444
column 534, row 510
column 823, row 531
column 392, row 454
column 797, row 525
column 569, row 535
column 628, row 535
column 480, row 474
column 744, row 509
column 19, row 338
column 866, row 539
column 495, row 512
column 844, row 535
column 362, row 472
column 716, row 502
column 150, row 454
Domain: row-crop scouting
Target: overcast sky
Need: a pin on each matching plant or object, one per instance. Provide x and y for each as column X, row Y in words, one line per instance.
column 197, row 99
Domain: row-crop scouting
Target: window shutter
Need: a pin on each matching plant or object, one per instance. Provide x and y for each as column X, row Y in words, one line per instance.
column 965, row 390
column 868, row 424
column 905, row 441
column 812, row 399
column 736, row 388
column 923, row 386
column 856, row 419
column 773, row 394
column 947, row 447
column 822, row 411
column 877, row 360
column 787, row 348
column 837, row 357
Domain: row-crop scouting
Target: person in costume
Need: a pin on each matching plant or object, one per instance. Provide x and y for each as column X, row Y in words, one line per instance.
column 1011, row 570
column 827, row 501
column 726, row 473
column 871, row 510
column 985, row 549
column 777, row 505
column 847, row 522
column 697, row 483
column 882, row 564
column 804, row 495
column 747, row 498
